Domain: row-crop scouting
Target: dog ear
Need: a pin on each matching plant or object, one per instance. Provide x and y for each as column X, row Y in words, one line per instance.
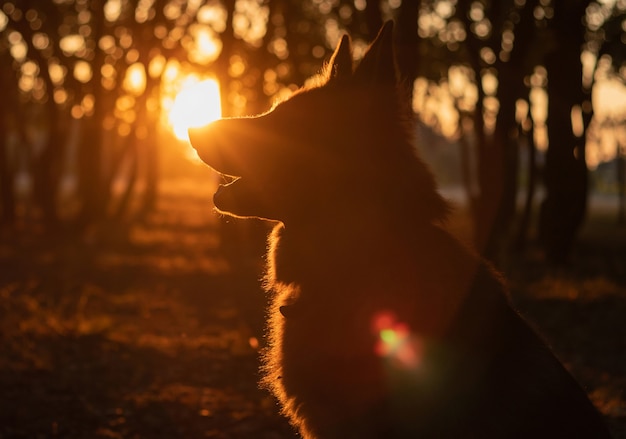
column 340, row 64
column 378, row 64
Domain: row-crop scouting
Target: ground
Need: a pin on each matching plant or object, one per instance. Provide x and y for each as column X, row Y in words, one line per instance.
column 152, row 331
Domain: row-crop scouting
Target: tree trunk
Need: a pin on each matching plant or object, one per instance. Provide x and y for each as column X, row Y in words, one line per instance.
column 499, row 176
column 524, row 223
column 132, row 157
column 7, row 198
column 92, row 187
column 620, row 162
column 223, row 60
column 151, row 150
column 563, row 209
column 7, row 169
column 374, row 19
column 47, row 167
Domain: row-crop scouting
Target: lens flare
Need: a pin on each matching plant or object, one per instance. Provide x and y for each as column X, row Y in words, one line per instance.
column 395, row 341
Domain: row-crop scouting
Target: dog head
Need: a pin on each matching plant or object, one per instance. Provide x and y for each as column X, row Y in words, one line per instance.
column 339, row 146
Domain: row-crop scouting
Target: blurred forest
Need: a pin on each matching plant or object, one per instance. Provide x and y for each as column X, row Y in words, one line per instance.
column 88, row 86
column 126, row 305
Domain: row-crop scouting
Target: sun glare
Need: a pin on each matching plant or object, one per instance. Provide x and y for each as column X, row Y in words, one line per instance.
column 196, row 104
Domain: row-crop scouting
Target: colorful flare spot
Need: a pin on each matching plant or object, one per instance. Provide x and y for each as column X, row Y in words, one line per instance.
column 389, row 337
column 395, row 341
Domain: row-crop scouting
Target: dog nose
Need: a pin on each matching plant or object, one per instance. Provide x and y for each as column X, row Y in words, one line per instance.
column 198, row 134
column 202, row 138
column 214, row 145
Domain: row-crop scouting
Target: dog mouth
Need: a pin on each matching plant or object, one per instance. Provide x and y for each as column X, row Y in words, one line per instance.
column 224, row 188
column 227, row 180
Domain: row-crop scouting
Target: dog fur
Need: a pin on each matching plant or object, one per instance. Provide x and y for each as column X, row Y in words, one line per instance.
column 381, row 324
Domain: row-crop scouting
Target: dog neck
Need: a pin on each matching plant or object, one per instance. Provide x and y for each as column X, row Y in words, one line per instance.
column 336, row 247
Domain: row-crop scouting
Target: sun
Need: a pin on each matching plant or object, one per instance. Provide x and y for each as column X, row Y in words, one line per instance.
column 195, row 105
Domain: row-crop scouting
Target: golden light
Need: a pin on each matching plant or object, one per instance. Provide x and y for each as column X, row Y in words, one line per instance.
column 213, row 14
column 70, row 44
column 60, row 96
column 578, row 127
column 156, row 66
column 4, row 20
column 18, row 49
column 41, row 41
column 206, row 45
column 107, row 43
column 609, row 98
column 250, row 21
column 82, row 71
column 135, row 79
column 196, row 104
column 112, row 10
column 88, row 104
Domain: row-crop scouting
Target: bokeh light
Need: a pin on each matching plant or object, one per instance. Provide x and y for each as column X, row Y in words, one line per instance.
column 396, row 342
column 135, row 80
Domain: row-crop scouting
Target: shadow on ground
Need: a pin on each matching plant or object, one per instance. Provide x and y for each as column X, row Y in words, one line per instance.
column 152, row 331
